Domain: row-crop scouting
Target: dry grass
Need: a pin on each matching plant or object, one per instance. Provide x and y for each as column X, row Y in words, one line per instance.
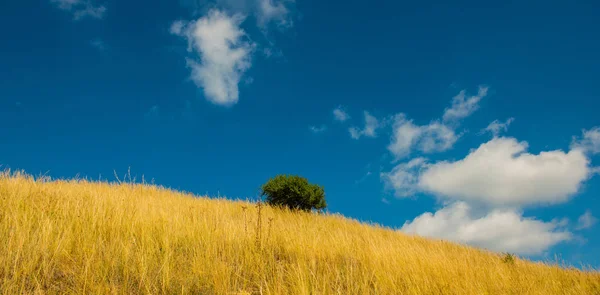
column 83, row 237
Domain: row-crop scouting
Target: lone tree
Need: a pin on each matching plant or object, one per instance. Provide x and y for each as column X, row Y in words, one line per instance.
column 294, row 192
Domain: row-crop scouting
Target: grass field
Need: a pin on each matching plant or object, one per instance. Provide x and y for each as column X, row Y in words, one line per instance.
column 81, row 237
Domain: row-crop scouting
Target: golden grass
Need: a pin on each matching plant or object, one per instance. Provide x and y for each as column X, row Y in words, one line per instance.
column 81, row 237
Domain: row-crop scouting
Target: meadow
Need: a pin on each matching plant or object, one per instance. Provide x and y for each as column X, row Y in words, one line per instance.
column 91, row 237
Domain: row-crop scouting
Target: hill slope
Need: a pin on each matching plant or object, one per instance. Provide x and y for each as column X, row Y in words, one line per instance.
column 90, row 237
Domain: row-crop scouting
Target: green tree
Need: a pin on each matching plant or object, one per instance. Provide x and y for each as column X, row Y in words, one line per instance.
column 294, row 192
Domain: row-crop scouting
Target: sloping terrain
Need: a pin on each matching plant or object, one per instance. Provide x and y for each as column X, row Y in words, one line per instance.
column 84, row 237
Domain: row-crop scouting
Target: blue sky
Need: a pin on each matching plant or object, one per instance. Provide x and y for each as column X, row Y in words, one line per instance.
column 384, row 104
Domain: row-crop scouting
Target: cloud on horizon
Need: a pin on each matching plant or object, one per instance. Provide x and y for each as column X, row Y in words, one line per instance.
column 501, row 230
column 490, row 186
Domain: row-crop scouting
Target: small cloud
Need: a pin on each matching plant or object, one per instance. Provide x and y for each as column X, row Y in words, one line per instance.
column 274, row 11
column 463, row 106
column 434, row 137
column 371, row 126
column 340, row 114
column 317, row 130
column 438, row 135
column 224, row 51
column 81, row 8
column 586, row 220
column 385, row 201
column 497, row 127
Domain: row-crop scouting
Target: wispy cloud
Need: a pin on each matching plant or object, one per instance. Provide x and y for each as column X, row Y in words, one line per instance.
column 430, row 138
column 589, row 142
column 279, row 13
column 152, row 113
column 273, row 11
column 317, row 130
column 99, row 44
column 438, row 135
column 224, row 51
column 497, row 127
column 586, row 220
column 339, row 114
column 369, row 130
column 364, row 177
column 463, row 106
column 81, row 8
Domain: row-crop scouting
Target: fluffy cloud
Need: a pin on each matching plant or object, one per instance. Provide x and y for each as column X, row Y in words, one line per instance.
column 499, row 230
column 586, row 220
column 81, row 9
column 497, row 127
column 371, row 125
column 463, row 106
column 590, row 141
column 434, row 137
column 340, row 115
column 501, row 173
column 225, row 54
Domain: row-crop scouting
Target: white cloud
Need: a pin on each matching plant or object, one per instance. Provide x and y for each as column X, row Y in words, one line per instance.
column 497, row 127
column 502, row 230
column 501, row 173
column 462, row 106
column 225, row 54
column 590, row 142
column 586, row 220
column 371, row 125
column 315, row 129
column 434, row 137
column 81, row 9
column 340, row 114
column 403, row 179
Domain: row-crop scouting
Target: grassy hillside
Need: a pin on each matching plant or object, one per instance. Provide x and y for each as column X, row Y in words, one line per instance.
column 98, row 238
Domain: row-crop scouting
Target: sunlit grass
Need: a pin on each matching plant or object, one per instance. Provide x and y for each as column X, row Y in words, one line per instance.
column 83, row 237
